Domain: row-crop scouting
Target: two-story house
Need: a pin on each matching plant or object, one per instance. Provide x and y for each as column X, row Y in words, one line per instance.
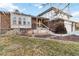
column 56, row 16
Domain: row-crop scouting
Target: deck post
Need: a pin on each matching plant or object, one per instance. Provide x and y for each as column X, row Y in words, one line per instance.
column 36, row 22
column 41, row 22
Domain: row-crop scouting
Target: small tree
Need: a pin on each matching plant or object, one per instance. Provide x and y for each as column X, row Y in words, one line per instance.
column 60, row 29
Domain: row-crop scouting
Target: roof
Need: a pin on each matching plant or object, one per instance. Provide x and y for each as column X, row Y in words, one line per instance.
column 4, row 12
column 18, row 13
column 55, row 9
column 21, row 14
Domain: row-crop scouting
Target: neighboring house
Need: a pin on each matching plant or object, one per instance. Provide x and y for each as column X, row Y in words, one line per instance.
column 54, row 14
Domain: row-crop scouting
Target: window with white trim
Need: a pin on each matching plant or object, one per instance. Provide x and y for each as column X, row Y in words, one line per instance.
column 24, row 21
column 28, row 23
column 14, row 20
column 19, row 21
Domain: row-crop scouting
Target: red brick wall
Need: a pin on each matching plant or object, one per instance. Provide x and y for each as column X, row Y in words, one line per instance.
column 5, row 22
column 34, row 23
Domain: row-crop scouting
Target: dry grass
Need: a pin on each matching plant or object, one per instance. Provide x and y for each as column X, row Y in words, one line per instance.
column 21, row 46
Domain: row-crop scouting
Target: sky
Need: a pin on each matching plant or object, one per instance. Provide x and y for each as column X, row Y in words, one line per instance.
column 37, row 8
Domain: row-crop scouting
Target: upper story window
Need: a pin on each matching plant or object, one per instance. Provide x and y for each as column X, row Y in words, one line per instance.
column 23, row 18
column 14, row 20
column 20, row 22
column 28, row 23
column 24, row 21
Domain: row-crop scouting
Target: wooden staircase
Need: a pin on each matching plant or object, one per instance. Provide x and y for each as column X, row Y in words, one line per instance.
column 42, row 30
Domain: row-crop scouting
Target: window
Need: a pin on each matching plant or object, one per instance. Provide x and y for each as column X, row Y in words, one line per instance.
column 28, row 23
column 24, row 21
column 23, row 18
column 14, row 20
column 14, row 17
column 22, row 30
column 20, row 23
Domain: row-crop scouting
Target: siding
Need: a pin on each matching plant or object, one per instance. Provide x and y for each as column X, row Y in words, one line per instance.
column 28, row 19
column 51, row 15
column 74, row 26
column 68, row 26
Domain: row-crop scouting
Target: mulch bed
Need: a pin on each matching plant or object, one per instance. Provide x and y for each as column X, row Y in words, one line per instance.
column 71, row 38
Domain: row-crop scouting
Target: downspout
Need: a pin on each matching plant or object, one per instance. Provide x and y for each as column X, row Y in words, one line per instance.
column 36, row 22
column 75, row 26
column 10, row 20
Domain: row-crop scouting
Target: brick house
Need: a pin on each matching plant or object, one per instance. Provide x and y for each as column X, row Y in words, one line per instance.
column 24, row 23
column 19, row 22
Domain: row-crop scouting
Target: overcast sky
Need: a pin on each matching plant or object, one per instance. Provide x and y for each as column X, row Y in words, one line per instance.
column 37, row 8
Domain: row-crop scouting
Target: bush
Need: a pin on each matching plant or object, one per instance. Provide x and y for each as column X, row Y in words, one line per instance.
column 60, row 29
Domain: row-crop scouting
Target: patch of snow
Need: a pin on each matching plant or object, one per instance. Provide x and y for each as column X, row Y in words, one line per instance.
column 74, row 33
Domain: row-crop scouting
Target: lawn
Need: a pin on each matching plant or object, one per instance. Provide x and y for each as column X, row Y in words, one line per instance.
column 24, row 46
